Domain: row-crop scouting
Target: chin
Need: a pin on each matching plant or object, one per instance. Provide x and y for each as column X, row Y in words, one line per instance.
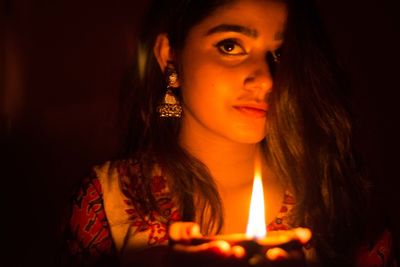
column 248, row 131
column 249, row 135
column 249, row 138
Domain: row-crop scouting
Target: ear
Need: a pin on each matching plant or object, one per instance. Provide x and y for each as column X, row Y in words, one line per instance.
column 163, row 51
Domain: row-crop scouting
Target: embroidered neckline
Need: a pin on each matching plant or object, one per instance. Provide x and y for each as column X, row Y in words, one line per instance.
column 168, row 210
column 281, row 221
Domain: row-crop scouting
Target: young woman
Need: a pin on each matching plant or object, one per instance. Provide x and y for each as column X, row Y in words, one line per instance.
column 218, row 83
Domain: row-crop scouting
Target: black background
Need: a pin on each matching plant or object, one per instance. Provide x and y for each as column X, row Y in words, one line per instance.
column 61, row 68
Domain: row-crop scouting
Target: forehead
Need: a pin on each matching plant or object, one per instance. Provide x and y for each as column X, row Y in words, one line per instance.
column 258, row 14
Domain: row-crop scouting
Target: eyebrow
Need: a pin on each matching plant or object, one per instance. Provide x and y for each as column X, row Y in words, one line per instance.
column 233, row 28
column 240, row 29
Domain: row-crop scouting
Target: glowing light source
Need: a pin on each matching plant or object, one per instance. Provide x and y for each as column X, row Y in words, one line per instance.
column 256, row 227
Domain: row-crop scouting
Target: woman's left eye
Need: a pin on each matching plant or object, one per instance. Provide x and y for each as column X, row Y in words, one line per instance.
column 230, row 47
column 276, row 55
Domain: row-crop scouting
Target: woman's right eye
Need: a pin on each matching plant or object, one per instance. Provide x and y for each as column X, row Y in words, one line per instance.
column 230, row 47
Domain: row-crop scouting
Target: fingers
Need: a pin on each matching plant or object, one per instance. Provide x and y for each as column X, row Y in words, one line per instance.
column 276, row 238
column 238, row 252
column 281, row 247
column 275, row 254
column 214, row 253
column 279, row 257
column 220, row 246
column 181, row 231
column 303, row 234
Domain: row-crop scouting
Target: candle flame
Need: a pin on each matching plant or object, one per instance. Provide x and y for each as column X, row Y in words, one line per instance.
column 256, row 227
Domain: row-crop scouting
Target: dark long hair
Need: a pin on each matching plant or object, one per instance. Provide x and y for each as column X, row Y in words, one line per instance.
column 310, row 138
column 309, row 135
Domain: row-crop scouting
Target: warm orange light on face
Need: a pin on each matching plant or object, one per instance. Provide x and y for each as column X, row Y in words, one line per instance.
column 256, row 227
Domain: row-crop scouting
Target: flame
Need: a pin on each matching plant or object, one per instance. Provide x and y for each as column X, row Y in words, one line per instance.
column 256, row 227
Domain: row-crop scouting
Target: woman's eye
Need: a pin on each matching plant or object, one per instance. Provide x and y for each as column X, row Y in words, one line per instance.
column 230, row 47
column 273, row 59
column 276, row 55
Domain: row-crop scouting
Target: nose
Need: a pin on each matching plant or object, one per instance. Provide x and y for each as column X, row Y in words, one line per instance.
column 259, row 79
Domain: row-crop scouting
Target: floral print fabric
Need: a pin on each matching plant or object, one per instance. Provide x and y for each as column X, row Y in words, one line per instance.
column 91, row 233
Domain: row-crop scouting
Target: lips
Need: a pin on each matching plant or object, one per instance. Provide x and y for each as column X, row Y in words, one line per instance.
column 252, row 110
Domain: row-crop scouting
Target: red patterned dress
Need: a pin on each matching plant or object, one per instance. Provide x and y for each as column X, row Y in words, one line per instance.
column 105, row 227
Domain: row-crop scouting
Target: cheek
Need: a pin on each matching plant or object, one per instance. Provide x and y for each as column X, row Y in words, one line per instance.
column 201, row 79
column 206, row 74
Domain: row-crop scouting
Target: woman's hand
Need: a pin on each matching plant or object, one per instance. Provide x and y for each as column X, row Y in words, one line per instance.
column 183, row 236
column 190, row 248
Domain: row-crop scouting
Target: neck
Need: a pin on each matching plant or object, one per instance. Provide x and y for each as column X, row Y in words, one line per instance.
column 230, row 163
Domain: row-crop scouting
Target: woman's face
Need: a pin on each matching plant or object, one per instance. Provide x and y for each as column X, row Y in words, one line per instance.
column 225, row 77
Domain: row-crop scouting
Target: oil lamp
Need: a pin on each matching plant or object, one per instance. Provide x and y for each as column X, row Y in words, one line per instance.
column 256, row 241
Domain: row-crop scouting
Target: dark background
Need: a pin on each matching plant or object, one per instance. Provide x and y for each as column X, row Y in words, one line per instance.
column 61, row 68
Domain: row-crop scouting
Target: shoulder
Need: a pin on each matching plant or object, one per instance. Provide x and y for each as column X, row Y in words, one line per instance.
column 114, row 180
column 127, row 187
column 96, row 192
column 120, row 175
column 130, row 177
column 102, row 213
column 87, row 230
column 110, row 170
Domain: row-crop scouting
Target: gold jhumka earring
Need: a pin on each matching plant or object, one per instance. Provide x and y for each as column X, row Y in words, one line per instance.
column 170, row 106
